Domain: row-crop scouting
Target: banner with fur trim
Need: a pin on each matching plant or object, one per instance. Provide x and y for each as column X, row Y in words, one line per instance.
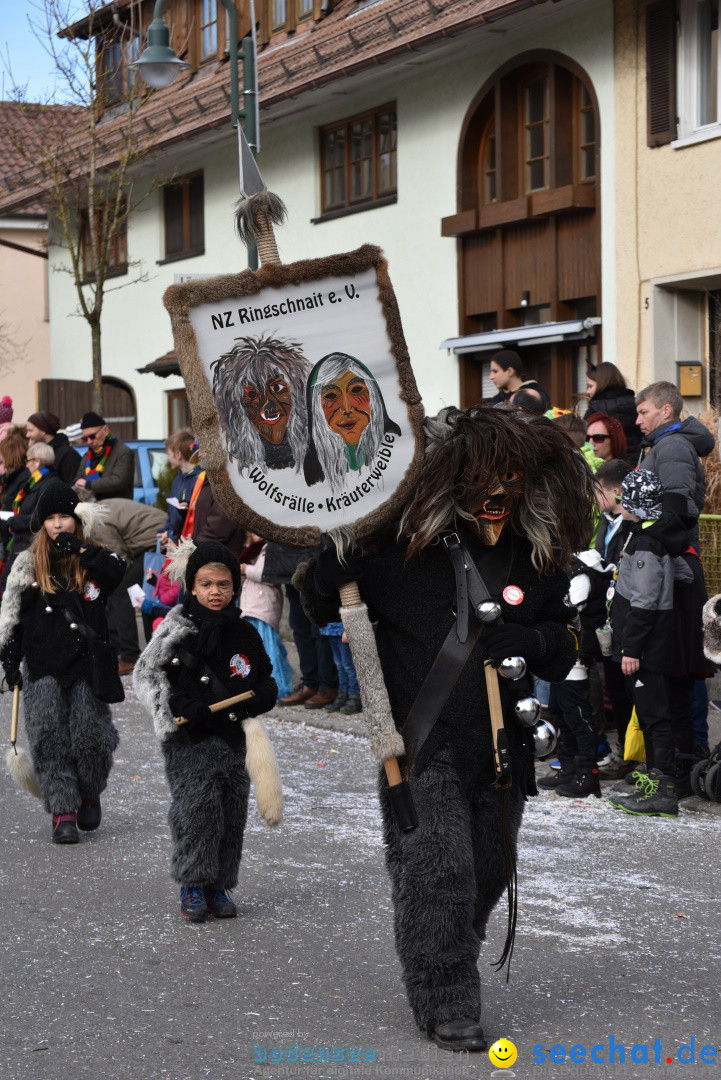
column 301, row 394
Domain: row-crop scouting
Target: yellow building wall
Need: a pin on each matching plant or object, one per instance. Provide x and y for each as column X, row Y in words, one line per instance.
column 667, row 217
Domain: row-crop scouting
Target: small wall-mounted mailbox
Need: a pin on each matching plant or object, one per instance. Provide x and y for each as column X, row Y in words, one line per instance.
column 690, row 379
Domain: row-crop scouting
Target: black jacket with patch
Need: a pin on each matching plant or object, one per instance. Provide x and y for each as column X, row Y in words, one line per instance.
column 34, row 628
column 240, row 663
column 413, row 603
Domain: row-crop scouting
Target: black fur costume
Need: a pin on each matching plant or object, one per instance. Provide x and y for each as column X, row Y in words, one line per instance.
column 448, row 873
column 205, row 762
column 71, row 734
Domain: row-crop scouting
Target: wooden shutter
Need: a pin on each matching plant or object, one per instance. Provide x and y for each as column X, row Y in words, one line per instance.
column 661, row 72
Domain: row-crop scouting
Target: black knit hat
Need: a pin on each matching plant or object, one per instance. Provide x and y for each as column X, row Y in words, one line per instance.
column 91, row 419
column 55, row 498
column 210, row 551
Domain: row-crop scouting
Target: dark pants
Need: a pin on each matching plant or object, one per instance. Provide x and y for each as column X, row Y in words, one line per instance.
column 680, row 699
column 314, row 654
column 651, row 697
column 619, row 696
column 122, row 621
column 447, row 875
column 209, row 788
column 570, row 704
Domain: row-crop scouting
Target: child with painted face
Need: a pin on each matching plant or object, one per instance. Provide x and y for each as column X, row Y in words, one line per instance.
column 204, row 653
column 54, row 646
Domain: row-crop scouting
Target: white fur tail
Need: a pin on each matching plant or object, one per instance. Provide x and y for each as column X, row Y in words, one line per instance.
column 21, row 769
column 263, row 771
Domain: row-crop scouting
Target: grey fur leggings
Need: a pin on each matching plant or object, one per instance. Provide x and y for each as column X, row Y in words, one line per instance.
column 72, row 738
column 446, row 876
column 209, row 788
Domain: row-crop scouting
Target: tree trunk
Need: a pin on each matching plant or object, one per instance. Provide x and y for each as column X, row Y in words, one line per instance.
column 97, row 370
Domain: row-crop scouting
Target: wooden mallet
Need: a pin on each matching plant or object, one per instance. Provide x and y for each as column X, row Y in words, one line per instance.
column 219, row 705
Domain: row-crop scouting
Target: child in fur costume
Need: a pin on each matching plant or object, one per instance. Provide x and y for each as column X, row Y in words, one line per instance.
column 518, row 495
column 53, row 631
column 202, row 653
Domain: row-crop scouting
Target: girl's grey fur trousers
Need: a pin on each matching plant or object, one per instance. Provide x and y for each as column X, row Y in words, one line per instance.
column 209, row 788
column 72, row 738
column 446, row 877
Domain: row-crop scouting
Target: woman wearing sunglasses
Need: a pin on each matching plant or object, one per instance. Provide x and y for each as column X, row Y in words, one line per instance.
column 606, row 436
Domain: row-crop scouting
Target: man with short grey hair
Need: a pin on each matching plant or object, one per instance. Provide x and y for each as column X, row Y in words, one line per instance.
column 672, row 447
column 673, row 450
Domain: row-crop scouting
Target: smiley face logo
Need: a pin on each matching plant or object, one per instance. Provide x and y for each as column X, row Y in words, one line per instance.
column 503, row 1053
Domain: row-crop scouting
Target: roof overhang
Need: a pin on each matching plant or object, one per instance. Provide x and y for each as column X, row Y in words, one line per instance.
column 163, row 366
column 540, row 334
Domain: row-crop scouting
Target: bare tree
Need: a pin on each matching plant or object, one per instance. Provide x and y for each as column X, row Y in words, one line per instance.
column 80, row 150
column 13, row 352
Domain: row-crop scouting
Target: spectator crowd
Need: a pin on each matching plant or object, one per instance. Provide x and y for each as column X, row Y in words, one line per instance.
column 638, row 588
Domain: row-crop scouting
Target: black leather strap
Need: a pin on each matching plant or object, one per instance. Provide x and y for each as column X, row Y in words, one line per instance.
column 456, row 649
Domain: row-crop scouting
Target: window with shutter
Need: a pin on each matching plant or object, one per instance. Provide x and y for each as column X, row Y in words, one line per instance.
column 184, row 218
column 699, row 65
column 661, row 72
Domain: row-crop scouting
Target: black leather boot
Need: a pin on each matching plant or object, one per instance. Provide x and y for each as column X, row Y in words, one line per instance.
column 89, row 814
column 585, row 782
column 460, row 1035
column 65, row 829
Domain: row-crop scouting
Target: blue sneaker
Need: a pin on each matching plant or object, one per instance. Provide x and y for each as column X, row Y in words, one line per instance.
column 555, row 764
column 220, row 903
column 192, row 903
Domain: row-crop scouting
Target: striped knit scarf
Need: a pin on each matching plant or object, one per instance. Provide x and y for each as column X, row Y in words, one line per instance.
column 93, row 471
column 29, row 484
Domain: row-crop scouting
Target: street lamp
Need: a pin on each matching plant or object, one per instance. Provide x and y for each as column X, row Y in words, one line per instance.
column 158, row 65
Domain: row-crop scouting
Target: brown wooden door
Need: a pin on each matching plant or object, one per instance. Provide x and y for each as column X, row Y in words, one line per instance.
column 70, row 398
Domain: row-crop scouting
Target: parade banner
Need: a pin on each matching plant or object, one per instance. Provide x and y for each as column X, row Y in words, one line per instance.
column 301, row 394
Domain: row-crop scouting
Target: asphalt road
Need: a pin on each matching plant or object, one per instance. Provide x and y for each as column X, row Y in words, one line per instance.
column 619, row 935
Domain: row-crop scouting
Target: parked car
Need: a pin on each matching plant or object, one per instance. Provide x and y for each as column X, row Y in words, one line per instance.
column 151, row 458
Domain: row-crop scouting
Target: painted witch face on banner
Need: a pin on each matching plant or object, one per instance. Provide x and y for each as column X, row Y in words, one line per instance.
column 301, row 393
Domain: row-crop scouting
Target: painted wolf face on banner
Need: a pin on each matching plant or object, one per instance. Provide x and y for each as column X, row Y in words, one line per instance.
column 259, row 391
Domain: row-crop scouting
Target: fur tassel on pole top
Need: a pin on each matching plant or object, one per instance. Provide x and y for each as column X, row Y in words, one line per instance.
column 258, row 209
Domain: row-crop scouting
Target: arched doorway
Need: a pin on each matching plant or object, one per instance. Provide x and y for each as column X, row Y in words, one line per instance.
column 528, row 225
column 70, row 398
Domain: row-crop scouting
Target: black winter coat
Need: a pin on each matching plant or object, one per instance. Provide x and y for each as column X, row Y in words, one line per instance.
column 281, row 562
column 240, row 663
column 44, row 638
column 12, row 482
column 67, row 459
column 621, row 404
column 413, row 603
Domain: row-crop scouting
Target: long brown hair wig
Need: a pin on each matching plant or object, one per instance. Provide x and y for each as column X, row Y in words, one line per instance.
column 50, row 570
column 556, row 508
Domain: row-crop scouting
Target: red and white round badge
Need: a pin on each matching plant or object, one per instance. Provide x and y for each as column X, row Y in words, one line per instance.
column 513, row 595
column 240, row 665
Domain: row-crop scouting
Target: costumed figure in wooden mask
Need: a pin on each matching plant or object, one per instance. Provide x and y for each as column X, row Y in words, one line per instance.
column 472, row 572
column 259, row 391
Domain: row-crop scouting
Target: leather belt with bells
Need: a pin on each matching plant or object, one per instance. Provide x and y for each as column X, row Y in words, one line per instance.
column 455, row 650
